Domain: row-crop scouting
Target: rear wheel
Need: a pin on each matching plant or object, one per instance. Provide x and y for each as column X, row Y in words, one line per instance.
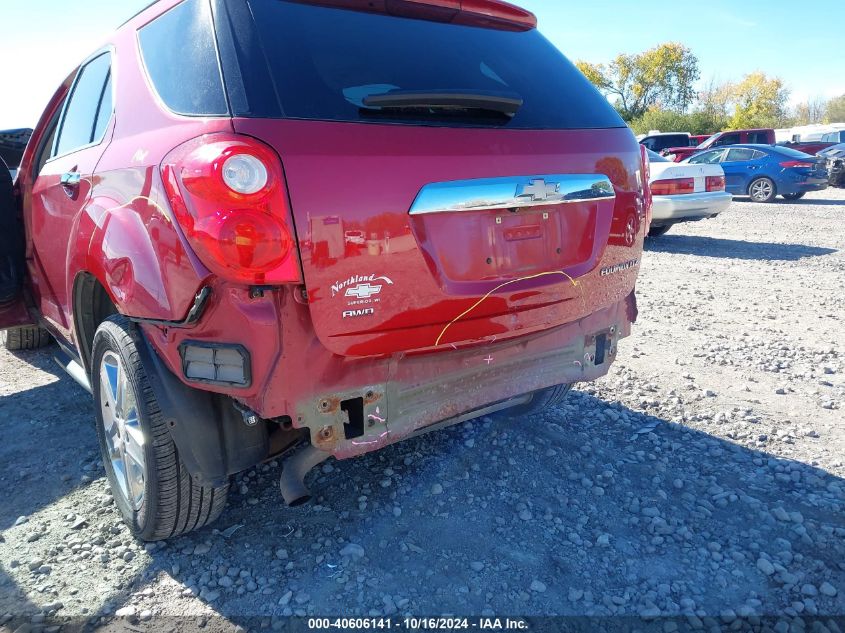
column 542, row 400
column 793, row 196
column 657, row 231
column 23, row 338
column 152, row 489
column 762, row 190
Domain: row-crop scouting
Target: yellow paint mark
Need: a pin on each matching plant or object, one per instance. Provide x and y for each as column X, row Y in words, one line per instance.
column 496, row 289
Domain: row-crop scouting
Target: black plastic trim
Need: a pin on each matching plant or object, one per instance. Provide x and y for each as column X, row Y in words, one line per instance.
column 209, row 432
column 194, row 314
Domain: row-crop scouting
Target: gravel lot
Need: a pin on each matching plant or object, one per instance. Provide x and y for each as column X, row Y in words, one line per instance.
column 705, row 476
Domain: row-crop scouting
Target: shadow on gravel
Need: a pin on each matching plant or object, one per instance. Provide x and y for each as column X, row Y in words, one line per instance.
column 46, row 435
column 732, row 249
column 591, row 509
column 808, row 202
column 812, row 202
column 611, row 511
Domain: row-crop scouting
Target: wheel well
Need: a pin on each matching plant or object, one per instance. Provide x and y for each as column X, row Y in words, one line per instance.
column 91, row 306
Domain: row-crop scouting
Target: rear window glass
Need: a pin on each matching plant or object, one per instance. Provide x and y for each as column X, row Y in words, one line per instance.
column 788, row 151
column 654, row 157
column 726, row 139
column 181, row 59
column 324, row 62
column 665, row 141
column 707, row 157
column 78, row 124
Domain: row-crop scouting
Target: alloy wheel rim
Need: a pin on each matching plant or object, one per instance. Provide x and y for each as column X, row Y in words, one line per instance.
column 124, row 437
column 761, row 190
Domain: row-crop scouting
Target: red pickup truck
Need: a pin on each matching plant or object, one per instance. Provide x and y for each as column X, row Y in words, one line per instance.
column 253, row 247
column 758, row 136
column 761, row 136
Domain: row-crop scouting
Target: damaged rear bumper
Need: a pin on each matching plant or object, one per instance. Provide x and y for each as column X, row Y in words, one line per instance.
column 435, row 390
column 354, row 405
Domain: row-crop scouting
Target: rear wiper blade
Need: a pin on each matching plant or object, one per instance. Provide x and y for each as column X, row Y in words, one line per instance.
column 501, row 103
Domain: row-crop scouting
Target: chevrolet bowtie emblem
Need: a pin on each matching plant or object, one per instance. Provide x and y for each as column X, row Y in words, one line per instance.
column 538, row 190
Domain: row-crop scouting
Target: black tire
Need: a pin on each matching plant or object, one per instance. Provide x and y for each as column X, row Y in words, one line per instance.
column 762, row 189
column 542, row 400
column 793, row 196
column 172, row 503
column 25, row 338
column 657, row 231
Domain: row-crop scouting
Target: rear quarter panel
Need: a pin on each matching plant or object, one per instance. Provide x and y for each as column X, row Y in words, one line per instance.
column 126, row 235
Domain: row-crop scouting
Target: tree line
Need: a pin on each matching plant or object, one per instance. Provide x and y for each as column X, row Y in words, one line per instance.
column 656, row 90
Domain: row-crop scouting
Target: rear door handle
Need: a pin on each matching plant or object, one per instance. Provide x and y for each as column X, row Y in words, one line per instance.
column 71, row 179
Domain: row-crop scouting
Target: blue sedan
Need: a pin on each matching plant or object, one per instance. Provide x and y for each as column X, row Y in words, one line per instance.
column 765, row 171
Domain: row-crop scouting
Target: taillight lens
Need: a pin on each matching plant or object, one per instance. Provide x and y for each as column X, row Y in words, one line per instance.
column 715, row 183
column 673, row 187
column 229, row 195
column 797, row 163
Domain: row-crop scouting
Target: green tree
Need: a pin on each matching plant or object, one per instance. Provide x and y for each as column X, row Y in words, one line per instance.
column 759, row 101
column 662, row 76
column 714, row 101
column 835, row 110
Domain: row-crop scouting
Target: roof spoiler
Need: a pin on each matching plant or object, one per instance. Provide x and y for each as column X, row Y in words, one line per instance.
column 492, row 14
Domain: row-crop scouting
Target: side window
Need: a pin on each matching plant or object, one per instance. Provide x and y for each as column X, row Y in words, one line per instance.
column 181, row 59
column 103, row 110
column 649, row 143
column 758, row 155
column 707, row 158
column 46, row 148
column 758, row 138
column 727, row 139
column 77, row 127
column 740, row 154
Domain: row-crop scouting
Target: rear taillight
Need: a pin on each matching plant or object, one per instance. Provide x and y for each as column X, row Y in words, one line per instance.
column 797, row 163
column 645, row 166
column 715, row 183
column 673, row 187
column 229, row 195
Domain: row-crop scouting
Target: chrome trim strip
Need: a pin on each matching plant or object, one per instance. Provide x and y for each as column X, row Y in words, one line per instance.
column 517, row 192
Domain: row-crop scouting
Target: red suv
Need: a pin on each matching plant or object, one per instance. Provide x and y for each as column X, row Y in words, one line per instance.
column 182, row 223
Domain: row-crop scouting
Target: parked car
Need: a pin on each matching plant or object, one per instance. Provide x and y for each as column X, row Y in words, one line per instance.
column 765, row 171
column 169, row 251
column 684, row 193
column 722, row 139
column 835, row 158
column 808, row 147
column 12, row 145
column 834, row 138
column 662, row 140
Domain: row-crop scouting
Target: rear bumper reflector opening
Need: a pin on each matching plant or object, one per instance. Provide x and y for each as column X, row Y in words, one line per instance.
column 216, row 364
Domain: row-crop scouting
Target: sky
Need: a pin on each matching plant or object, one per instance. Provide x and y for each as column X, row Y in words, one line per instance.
column 43, row 40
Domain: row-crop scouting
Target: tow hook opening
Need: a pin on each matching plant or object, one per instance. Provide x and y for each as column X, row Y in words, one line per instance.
column 354, row 426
